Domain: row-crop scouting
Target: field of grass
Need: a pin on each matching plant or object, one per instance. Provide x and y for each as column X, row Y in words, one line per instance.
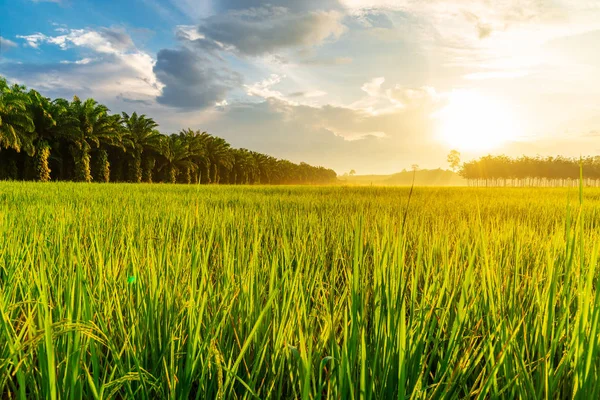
column 160, row 291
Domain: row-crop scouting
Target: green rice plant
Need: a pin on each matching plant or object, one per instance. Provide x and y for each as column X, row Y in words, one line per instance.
column 171, row 291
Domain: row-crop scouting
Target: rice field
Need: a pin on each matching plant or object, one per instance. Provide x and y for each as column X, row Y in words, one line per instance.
column 164, row 291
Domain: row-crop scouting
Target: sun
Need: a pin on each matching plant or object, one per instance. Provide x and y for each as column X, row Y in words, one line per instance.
column 473, row 122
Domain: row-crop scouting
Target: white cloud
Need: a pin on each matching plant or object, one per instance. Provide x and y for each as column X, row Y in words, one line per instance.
column 118, row 67
column 352, row 136
column 263, row 88
column 34, row 40
column 107, row 41
column 188, row 32
column 83, row 61
column 374, row 115
column 380, row 100
column 488, row 35
column 373, row 87
column 425, row 97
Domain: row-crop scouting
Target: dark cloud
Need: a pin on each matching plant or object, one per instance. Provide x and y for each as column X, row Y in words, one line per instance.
column 265, row 30
column 190, row 80
column 195, row 76
column 117, row 37
column 294, row 5
column 126, row 99
column 184, row 34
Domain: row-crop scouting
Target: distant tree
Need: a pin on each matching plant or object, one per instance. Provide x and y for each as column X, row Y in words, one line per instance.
column 352, row 172
column 95, row 128
column 41, row 112
column 51, row 119
column 16, row 124
column 502, row 170
column 175, row 154
column 415, row 167
column 265, row 167
column 143, row 141
column 454, row 160
column 220, row 156
column 197, row 142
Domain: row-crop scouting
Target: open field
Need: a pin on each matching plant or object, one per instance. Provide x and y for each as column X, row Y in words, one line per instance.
column 164, row 291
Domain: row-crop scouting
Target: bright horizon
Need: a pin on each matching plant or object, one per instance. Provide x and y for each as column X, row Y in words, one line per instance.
column 369, row 85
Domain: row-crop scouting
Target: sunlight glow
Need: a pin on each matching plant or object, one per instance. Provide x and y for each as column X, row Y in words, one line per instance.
column 473, row 122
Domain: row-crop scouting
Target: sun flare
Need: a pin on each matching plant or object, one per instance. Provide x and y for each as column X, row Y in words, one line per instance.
column 473, row 122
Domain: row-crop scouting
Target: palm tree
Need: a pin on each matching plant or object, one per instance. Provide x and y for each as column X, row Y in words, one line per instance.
column 264, row 167
column 16, row 124
column 16, row 127
column 197, row 143
column 144, row 140
column 95, row 127
column 59, row 156
column 175, row 154
column 219, row 153
column 51, row 119
column 44, row 123
column 114, row 140
column 244, row 167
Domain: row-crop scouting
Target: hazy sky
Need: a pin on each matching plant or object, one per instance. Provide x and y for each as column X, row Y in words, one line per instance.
column 370, row 85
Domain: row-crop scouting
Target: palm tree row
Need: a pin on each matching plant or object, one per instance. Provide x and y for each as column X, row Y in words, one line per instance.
column 531, row 171
column 43, row 139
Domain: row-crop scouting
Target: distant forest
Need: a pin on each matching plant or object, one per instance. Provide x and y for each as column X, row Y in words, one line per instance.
column 420, row 177
column 531, row 171
column 43, row 139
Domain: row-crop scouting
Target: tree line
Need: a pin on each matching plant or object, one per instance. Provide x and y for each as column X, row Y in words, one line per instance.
column 43, row 139
column 531, row 171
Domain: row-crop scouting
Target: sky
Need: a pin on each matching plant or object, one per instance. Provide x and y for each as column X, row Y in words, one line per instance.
column 369, row 85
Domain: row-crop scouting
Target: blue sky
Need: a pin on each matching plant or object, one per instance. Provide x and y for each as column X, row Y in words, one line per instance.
column 370, row 85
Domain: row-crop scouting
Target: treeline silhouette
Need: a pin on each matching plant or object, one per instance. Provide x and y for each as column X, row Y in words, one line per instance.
column 531, row 171
column 43, row 139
